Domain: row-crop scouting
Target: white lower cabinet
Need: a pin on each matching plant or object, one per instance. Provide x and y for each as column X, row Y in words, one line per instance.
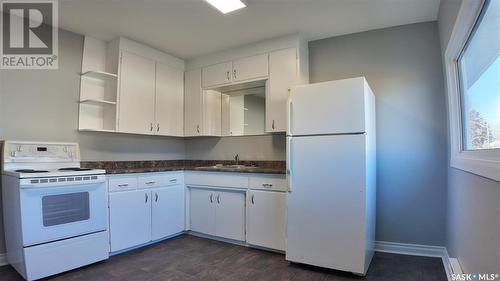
column 129, row 218
column 202, row 211
column 230, row 215
column 139, row 214
column 167, row 212
column 218, row 212
column 266, row 218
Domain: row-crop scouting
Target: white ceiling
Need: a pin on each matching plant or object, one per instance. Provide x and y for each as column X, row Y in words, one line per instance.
column 190, row 28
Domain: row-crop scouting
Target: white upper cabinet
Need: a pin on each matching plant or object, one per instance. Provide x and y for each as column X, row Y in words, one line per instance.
column 251, row 68
column 169, row 109
column 283, row 73
column 212, row 113
column 136, row 111
column 245, row 69
column 131, row 88
column 193, row 103
column 217, row 74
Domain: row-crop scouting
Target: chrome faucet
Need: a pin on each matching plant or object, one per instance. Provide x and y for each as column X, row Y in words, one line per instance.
column 237, row 159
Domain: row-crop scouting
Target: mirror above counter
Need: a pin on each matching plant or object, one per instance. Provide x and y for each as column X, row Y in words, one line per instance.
column 243, row 109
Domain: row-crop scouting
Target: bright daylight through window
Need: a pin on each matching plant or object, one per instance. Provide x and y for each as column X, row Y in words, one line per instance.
column 479, row 71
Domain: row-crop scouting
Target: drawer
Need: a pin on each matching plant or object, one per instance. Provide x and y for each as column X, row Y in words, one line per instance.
column 149, row 181
column 217, row 179
column 268, row 182
column 122, row 183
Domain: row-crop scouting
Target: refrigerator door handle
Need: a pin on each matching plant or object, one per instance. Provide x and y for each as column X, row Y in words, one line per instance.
column 289, row 162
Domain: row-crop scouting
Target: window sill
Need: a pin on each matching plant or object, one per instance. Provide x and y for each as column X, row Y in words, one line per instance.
column 486, row 168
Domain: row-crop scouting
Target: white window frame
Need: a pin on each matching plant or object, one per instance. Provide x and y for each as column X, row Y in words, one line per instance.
column 485, row 163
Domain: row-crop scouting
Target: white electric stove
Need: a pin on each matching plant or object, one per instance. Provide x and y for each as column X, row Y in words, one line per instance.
column 55, row 212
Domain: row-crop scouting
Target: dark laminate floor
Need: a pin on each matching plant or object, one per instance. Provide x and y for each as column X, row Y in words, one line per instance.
column 192, row 258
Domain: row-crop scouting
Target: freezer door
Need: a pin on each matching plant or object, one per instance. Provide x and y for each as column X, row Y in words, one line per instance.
column 325, row 221
column 334, row 107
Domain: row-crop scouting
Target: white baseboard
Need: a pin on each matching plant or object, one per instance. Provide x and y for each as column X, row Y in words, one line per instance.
column 3, row 259
column 417, row 250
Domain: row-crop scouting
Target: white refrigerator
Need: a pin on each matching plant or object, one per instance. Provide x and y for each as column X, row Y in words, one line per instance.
column 332, row 175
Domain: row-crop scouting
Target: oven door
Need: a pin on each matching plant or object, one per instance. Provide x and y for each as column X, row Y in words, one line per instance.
column 62, row 211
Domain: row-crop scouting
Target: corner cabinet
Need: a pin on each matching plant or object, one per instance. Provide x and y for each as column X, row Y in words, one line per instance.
column 218, row 212
column 203, row 109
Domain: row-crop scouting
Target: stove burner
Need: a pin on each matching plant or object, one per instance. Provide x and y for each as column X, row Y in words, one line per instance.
column 75, row 169
column 31, row 171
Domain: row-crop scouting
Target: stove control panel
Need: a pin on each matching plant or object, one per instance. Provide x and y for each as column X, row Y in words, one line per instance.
column 40, row 152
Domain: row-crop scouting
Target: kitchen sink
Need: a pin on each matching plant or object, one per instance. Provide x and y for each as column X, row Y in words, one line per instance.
column 229, row 167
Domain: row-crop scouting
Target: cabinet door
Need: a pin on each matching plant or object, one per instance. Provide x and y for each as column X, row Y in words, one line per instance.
column 212, row 113
column 230, row 215
column 202, row 210
column 169, row 108
column 217, row 74
column 167, row 211
column 251, row 68
column 193, row 103
column 136, row 101
column 282, row 75
column 129, row 218
column 266, row 219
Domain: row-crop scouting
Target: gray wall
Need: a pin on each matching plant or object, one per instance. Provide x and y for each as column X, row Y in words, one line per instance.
column 473, row 224
column 42, row 105
column 403, row 67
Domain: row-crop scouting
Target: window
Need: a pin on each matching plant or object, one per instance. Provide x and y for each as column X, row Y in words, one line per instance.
column 479, row 76
column 472, row 67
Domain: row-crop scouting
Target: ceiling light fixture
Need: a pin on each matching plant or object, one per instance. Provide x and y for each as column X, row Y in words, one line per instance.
column 227, row 6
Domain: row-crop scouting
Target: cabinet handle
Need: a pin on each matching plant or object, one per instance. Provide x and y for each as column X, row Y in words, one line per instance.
column 151, row 127
column 253, row 201
column 267, row 185
column 227, row 76
column 123, row 185
column 156, row 197
column 272, row 125
column 211, row 198
column 198, row 128
column 147, row 197
column 234, row 73
column 173, row 180
column 150, row 182
column 158, row 127
column 218, row 198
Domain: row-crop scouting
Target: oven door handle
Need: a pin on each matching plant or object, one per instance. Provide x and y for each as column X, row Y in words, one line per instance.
column 66, row 188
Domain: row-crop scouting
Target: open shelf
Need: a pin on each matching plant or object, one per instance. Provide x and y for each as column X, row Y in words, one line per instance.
column 99, row 74
column 98, row 101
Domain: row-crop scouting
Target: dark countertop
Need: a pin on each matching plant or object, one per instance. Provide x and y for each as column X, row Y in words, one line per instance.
column 151, row 166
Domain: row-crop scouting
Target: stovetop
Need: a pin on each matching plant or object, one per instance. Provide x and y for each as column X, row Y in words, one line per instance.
column 61, row 172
